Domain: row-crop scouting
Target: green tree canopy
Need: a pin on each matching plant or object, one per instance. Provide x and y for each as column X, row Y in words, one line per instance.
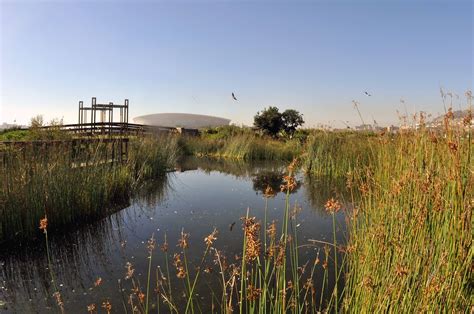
column 271, row 121
column 291, row 120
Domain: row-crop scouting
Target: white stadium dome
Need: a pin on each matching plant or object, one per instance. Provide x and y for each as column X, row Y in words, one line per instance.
column 181, row 120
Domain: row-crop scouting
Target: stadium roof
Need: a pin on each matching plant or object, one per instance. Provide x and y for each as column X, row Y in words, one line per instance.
column 181, row 120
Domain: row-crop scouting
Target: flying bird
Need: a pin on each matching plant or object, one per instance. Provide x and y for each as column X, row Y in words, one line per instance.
column 367, row 94
column 233, row 96
column 231, row 226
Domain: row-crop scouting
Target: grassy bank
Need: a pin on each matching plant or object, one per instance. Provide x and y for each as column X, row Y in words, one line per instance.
column 56, row 181
column 243, row 147
column 240, row 143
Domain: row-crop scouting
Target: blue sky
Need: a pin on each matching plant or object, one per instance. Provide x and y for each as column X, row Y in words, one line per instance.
column 313, row 56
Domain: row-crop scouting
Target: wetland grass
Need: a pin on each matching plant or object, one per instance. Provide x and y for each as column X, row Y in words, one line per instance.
column 333, row 154
column 71, row 188
column 244, row 146
column 410, row 233
column 410, row 223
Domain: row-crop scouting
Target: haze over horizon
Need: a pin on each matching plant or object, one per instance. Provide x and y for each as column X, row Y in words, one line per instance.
column 315, row 57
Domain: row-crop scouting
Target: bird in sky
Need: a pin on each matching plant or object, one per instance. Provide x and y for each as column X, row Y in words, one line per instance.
column 367, row 93
column 233, row 96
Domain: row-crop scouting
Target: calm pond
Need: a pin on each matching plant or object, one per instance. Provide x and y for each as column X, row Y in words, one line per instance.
column 201, row 195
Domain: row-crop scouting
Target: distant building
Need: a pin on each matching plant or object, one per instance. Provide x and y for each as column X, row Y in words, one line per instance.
column 5, row 126
column 181, row 120
column 369, row 127
column 457, row 120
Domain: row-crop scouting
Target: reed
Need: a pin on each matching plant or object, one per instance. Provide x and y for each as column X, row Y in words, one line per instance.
column 73, row 188
column 247, row 146
column 410, row 233
column 333, row 154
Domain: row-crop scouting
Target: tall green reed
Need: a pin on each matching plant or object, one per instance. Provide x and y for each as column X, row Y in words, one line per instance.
column 333, row 154
column 243, row 147
column 410, row 233
column 73, row 183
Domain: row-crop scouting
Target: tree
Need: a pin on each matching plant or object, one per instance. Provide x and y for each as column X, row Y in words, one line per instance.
column 37, row 122
column 269, row 121
column 291, row 120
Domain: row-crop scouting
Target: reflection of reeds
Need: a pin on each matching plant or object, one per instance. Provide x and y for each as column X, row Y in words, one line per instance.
column 319, row 189
column 57, row 295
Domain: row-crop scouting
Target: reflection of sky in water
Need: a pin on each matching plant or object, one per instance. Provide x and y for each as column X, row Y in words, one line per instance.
column 194, row 200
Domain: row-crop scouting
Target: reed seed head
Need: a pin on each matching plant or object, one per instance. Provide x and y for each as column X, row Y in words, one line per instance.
column 364, row 188
column 98, row 282
column 130, row 270
column 271, row 230
column 180, row 270
column 164, row 246
column 253, row 293
column 91, row 308
column 467, row 119
column 141, row 297
column 281, row 255
column 453, row 146
column 449, row 114
column 106, row 305
column 151, row 245
column 292, row 166
column 252, row 231
column 176, row 259
column 44, row 224
column 332, row 206
column 269, row 192
column 209, row 240
column 368, row 282
column 401, row 270
column 290, row 184
column 183, row 241
column 308, row 284
column 181, row 273
column 59, row 300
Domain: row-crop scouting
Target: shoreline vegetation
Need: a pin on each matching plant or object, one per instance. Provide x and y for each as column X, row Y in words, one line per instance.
column 409, row 219
column 71, row 188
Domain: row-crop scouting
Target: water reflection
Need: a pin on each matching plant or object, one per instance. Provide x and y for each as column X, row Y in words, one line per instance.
column 321, row 189
column 154, row 191
column 273, row 179
column 201, row 195
column 237, row 168
column 76, row 258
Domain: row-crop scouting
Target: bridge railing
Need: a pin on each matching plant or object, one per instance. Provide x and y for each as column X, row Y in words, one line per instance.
column 108, row 128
